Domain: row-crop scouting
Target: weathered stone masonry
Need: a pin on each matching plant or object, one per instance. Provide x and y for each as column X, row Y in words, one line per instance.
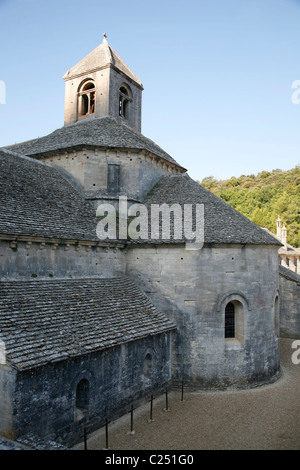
column 85, row 349
column 289, row 303
column 89, row 326
column 194, row 287
column 115, row 378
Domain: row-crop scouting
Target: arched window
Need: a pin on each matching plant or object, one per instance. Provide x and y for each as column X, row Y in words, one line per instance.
column 230, row 320
column 86, row 99
column 234, row 324
column 82, row 397
column 124, row 101
column 148, row 366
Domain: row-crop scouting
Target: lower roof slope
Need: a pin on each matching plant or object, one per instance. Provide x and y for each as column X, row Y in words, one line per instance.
column 46, row 321
column 36, row 200
column 222, row 223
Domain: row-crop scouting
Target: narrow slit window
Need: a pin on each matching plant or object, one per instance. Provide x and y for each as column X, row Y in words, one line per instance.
column 148, row 366
column 82, row 395
column 82, row 400
column 113, row 178
column 124, row 101
column 230, row 320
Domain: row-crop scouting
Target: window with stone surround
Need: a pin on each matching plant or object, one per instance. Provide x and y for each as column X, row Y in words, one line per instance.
column 229, row 320
column 234, row 323
column 86, row 99
column 82, row 399
column 148, row 366
column 113, row 177
column 125, row 98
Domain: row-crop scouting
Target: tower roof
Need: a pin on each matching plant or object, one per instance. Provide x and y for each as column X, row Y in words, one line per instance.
column 101, row 57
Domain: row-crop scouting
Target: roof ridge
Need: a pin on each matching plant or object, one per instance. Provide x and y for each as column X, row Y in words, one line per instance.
column 24, row 157
column 107, row 49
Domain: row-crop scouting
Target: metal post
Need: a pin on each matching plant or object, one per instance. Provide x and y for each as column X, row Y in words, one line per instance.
column 106, row 432
column 182, row 400
column 85, row 438
column 151, row 409
column 131, row 421
column 167, row 401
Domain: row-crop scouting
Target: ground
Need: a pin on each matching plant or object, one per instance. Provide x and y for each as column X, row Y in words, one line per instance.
column 263, row 418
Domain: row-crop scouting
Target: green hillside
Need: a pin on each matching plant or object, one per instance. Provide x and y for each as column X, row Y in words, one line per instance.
column 263, row 197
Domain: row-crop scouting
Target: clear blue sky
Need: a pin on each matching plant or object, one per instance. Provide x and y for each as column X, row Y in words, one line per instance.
column 217, row 74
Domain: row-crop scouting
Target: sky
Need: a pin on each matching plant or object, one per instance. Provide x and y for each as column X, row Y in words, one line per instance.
column 218, row 75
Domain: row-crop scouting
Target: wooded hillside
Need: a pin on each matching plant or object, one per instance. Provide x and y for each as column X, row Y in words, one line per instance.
column 263, row 197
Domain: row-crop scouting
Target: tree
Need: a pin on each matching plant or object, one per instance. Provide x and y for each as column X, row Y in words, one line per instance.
column 263, row 197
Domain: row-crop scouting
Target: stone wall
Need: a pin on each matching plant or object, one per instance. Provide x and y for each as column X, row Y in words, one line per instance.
column 193, row 288
column 87, row 171
column 289, row 303
column 116, row 378
column 107, row 85
column 7, row 387
column 59, row 258
column 135, row 105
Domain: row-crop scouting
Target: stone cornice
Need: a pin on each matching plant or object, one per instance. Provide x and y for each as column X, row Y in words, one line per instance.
column 75, row 148
column 55, row 242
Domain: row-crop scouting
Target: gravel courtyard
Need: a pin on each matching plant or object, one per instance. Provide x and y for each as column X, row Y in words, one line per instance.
column 263, row 418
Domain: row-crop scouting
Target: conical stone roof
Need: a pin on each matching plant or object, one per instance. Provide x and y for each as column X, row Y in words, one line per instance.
column 102, row 56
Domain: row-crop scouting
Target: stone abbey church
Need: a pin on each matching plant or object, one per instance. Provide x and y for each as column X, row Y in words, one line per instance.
column 90, row 326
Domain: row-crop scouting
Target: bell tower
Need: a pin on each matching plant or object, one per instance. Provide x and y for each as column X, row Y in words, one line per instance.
column 101, row 85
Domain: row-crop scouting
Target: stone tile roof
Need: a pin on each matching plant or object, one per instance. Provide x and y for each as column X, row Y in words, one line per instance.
column 36, row 200
column 46, row 321
column 7, row 444
column 222, row 223
column 289, row 274
column 107, row 132
column 103, row 55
